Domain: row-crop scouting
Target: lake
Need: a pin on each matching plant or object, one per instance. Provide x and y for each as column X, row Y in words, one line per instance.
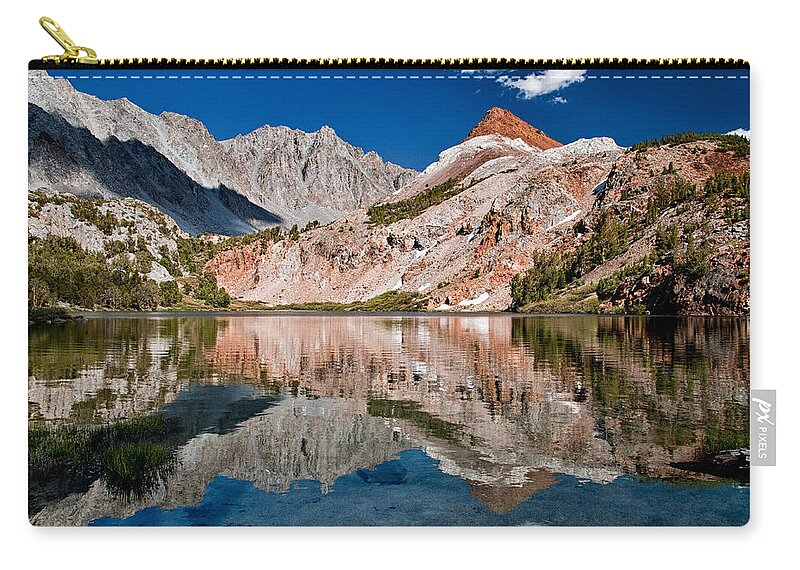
column 328, row 419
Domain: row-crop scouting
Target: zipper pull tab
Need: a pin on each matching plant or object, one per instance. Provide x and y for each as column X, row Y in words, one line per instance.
column 72, row 53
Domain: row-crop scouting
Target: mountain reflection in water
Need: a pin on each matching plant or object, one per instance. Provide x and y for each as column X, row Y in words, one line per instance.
column 473, row 419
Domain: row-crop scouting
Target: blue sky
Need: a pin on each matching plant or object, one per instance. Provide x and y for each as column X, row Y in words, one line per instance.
column 409, row 116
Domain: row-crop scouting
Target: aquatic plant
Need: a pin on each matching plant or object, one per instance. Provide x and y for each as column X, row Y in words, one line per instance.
column 134, row 469
column 130, row 457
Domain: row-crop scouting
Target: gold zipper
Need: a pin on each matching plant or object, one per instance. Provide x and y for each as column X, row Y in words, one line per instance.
column 72, row 53
column 79, row 56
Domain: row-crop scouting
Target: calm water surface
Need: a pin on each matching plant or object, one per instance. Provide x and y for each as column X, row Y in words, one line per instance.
column 389, row 420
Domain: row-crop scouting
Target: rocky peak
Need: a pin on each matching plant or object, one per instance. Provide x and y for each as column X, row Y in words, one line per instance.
column 272, row 175
column 505, row 123
column 326, row 132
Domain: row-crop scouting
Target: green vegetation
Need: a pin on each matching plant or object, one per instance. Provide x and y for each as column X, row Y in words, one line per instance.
column 729, row 185
column 576, row 300
column 728, row 432
column 391, row 301
column 206, row 290
column 549, row 272
column 87, row 211
column 390, row 212
column 48, row 315
column 59, row 269
column 409, row 411
column 130, row 456
column 132, row 468
column 694, row 261
column 193, row 253
column 735, row 189
column 610, row 237
column 608, row 285
column 552, row 271
column 663, row 385
column 202, row 249
column 668, row 194
column 169, row 294
column 90, row 211
column 550, row 283
column 666, row 241
column 739, row 145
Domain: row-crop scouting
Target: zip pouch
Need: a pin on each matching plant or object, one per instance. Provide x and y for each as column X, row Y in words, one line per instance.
column 379, row 292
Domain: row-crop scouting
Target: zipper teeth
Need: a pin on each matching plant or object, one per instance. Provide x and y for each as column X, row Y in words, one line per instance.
column 443, row 63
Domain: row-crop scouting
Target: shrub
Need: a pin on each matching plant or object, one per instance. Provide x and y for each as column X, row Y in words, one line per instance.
column 130, row 457
column 729, row 185
column 133, row 469
column 694, row 261
column 606, row 287
column 145, row 295
column 666, row 240
column 548, row 273
column 169, row 294
column 47, row 315
column 385, row 214
column 59, row 269
column 609, row 239
column 206, row 290
column 673, row 192
column 739, row 145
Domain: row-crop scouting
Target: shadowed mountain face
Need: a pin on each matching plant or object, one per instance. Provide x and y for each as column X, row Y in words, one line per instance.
column 507, row 405
column 297, row 177
column 71, row 159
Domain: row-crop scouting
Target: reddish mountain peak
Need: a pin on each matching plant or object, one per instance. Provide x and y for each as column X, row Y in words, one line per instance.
column 503, row 122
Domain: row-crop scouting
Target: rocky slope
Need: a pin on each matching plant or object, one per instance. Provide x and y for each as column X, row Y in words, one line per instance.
column 66, row 158
column 668, row 234
column 714, row 222
column 116, row 228
column 274, row 175
column 497, row 223
column 509, row 199
column 306, row 177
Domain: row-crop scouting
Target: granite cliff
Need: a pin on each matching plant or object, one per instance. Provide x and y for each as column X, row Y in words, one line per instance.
column 81, row 144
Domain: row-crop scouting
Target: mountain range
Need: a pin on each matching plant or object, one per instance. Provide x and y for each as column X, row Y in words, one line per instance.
column 508, row 218
column 273, row 175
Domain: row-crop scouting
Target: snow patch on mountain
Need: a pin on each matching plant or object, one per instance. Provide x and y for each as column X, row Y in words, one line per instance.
column 479, row 144
column 476, row 301
column 583, row 147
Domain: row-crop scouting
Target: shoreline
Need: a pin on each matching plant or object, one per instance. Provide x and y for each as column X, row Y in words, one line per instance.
column 299, row 313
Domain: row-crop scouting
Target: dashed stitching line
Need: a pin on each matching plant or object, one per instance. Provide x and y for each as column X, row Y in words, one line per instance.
column 366, row 77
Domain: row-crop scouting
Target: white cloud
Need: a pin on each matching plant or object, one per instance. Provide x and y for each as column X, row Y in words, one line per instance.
column 481, row 72
column 557, row 100
column 741, row 132
column 537, row 84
